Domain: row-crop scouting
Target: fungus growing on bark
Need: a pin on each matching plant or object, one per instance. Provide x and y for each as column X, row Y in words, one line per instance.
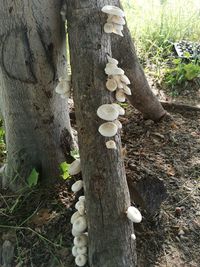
column 134, row 214
column 116, row 19
column 80, row 206
column 108, row 27
column 112, row 69
column 81, row 241
column 111, row 144
column 75, row 167
column 127, row 90
column 133, row 236
column 107, row 112
column 82, row 250
column 111, row 84
column 118, row 81
column 113, row 10
column 74, row 251
column 80, row 224
column 75, row 216
column 120, row 109
column 125, row 79
column 118, row 123
column 62, row 87
column 78, row 185
column 108, row 129
column 81, row 198
column 80, row 260
column 75, row 233
column 120, row 96
column 112, row 60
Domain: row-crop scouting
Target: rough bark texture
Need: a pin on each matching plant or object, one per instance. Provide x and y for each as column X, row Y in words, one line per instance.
column 32, row 57
column 142, row 97
column 106, row 190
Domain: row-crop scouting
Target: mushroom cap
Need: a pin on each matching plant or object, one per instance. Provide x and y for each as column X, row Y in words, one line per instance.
column 75, row 216
column 118, row 80
column 81, row 198
column 80, row 241
column 118, row 123
column 111, row 144
column 74, row 251
column 80, row 224
column 120, row 96
column 134, row 214
column 108, row 129
column 117, row 27
column 82, row 250
column 116, row 19
column 80, row 206
column 133, row 236
column 111, row 84
column 112, row 69
column 75, row 233
column 119, row 108
column 108, row 27
column 107, row 112
column 80, row 260
column 65, row 95
column 78, row 185
column 117, row 30
column 127, row 90
column 112, row 60
column 75, row 167
column 113, row 10
column 125, row 79
column 79, row 203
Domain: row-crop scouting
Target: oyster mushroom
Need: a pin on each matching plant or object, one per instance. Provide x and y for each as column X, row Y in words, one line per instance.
column 111, row 84
column 118, row 80
column 80, row 206
column 81, row 198
column 108, row 27
column 75, row 167
column 82, row 250
column 107, row 112
column 81, row 241
column 112, row 69
column 116, row 19
column 74, row 251
column 134, row 214
column 78, row 185
column 80, row 260
column 120, row 109
column 111, row 144
column 108, row 129
column 113, row 10
column 133, row 237
column 75, row 233
column 112, row 60
column 120, row 96
column 125, row 79
column 75, row 216
column 62, row 87
column 127, row 90
column 118, row 123
column 80, row 224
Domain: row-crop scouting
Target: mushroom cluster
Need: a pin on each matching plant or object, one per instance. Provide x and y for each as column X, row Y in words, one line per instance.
column 79, row 219
column 115, row 20
column 135, row 216
column 63, row 87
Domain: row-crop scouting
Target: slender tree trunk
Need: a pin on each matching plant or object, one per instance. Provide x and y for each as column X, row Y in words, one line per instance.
column 33, row 56
column 106, row 190
column 142, row 97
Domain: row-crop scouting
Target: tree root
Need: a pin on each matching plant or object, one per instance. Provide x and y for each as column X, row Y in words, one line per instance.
column 169, row 106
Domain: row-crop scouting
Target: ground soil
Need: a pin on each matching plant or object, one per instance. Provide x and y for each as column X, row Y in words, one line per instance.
column 37, row 223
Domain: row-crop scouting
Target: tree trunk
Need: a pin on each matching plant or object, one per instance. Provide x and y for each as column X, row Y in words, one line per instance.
column 106, row 190
column 33, row 56
column 142, row 97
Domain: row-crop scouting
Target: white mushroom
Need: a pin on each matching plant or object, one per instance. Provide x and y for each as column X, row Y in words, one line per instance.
column 108, row 27
column 78, row 185
column 74, row 251
column 120, row 96
column 118, row 123
column 65, row 95
column 80, row 206
column 112, row 69
column 133, row 236
column 117, row 30
column 118, row 80
column 112, row 60
column 75, row 216
column 111, row 85
column 108, row 129
column 117, row 27
column 127, row 90
column 81, row 198
column 113, row 10
column 80, row 260
column 75, row 167
column 116, row 19
column 82, row 250
column 134, row 214
column 125, row 79
column 75, row 233
column 119, row 108
column 81, row 241
column 80, row 224
column 111, row 144
column 107, row 112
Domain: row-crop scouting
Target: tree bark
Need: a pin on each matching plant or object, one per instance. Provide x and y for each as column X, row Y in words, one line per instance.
column 106, row 190
column 33, row 56
column 142, row 97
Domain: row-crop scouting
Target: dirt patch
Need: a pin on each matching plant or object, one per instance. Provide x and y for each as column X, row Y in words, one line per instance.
column 37, row 224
